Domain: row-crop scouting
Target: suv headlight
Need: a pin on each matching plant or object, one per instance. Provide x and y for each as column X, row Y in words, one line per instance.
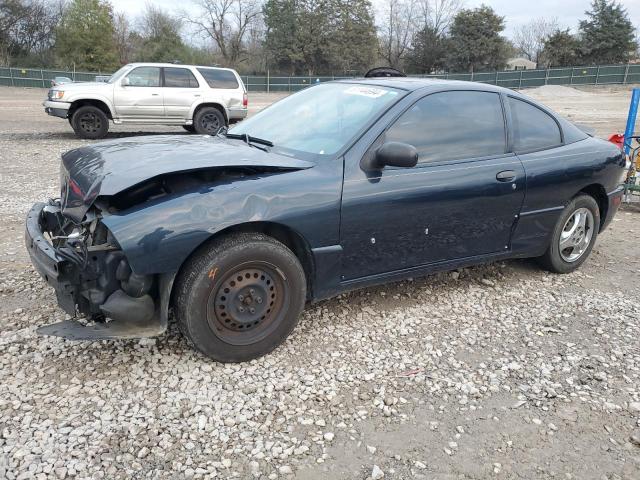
column 57, row 94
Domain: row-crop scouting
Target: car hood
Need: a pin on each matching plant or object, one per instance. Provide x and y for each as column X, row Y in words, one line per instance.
column 108, row 168
column 82, row 86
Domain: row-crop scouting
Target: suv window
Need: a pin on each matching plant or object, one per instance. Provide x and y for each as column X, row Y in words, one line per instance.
column 144, row 77
column 533, row 128
column 179, row 78
column 217, row 78
column 453, row 125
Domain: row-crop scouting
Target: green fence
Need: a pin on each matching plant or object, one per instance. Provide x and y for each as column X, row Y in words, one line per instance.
column 599, row 75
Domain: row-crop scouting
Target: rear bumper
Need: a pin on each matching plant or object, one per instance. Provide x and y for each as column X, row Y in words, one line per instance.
column 56, row 109
column 237, row 113
column 614, row 200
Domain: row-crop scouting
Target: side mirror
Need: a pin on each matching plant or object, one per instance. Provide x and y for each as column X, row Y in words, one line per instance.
column 126, row 82
column 393, row 154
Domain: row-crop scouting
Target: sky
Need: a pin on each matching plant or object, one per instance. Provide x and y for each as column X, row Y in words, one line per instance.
column 516, row 12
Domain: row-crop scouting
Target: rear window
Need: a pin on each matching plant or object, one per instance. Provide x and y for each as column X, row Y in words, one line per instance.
column 219, row 78
column 179, row 78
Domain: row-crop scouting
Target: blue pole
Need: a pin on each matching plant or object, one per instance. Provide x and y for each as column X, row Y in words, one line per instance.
column 631, row 119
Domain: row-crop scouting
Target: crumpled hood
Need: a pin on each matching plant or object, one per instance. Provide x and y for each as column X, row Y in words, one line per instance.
column 107, row 168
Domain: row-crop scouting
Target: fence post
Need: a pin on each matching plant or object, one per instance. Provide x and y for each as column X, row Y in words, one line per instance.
column 472, row 75
column 546, row 76
column 289, row 83
column 268, row 82
column 42, row 78
column 520, row 81
column 597, row 74
column 571, row 78
column 497, row 72
column 626, row 74
column 11, row 76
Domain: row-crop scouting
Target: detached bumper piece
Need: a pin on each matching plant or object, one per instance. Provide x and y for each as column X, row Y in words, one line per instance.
column 103, row 288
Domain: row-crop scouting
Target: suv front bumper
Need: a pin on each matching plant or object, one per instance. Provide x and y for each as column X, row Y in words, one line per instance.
column 56, row 109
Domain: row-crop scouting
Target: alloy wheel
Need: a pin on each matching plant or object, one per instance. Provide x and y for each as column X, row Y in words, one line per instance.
column 576, row 235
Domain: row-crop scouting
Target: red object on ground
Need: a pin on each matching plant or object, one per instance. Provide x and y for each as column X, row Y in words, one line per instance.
column 617, row 139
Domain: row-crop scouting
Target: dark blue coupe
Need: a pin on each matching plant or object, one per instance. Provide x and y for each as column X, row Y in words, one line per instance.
column 342, row 185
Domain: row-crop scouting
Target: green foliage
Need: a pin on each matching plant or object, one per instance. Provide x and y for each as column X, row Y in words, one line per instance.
column 561, row 49
column 160, row 40
column 428, row 52
column 475, row 43
column 319, row 36
column 607, row 34
column 85, row 38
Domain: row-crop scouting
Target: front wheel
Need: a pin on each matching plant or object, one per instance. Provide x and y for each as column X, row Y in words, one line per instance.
column 574, row 235
column 90, row 122
column 239, row 297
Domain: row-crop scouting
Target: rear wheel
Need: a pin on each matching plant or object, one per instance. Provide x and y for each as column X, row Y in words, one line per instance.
column 240, row 297
column 90, row 122
column 208, row 121
column 574, row 235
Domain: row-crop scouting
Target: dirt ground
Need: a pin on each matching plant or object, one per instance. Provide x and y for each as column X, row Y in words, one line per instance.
column 499, row 371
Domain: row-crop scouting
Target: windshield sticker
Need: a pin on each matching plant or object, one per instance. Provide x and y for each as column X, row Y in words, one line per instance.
column 370, row 92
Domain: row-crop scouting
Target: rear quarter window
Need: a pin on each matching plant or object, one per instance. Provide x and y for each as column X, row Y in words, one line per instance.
column 217, row 78
column 533, row 128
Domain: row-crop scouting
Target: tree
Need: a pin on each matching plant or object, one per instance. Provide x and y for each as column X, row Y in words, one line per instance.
column 607, row 34
column 529, row 39
column 561, row 49
column 428, row 49
column 352, row 38
column 160, row 37
column 396, row 31
column 225, row 23
column 85, row 37
column 476, row 43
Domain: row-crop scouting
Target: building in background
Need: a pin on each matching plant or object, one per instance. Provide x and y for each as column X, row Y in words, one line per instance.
column 520, row 64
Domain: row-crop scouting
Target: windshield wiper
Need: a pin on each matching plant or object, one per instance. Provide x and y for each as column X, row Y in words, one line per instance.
column 248, row 138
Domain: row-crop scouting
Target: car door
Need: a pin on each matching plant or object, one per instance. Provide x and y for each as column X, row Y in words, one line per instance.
column 181, row 90
column 460, row 201
column 139, row 94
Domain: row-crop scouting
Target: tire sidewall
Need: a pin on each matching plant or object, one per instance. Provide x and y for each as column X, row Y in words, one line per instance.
column 75, row 123
column 201, row 113
column 210, row 275
column 557, row 263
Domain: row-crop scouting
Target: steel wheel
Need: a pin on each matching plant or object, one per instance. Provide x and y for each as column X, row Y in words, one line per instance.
column 210, row 122
column 576, row 235
column 248, row 304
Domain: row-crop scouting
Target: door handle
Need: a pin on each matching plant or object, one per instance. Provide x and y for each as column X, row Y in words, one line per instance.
column 155, row 94
column 506, row 176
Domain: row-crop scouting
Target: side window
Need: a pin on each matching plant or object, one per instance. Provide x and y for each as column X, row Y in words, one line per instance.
column 144, row 77
column 533, row 128
column 179, row 78
column 217, row 78
column 452, row 125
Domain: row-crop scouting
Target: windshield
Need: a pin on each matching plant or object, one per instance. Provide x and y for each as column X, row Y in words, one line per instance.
column 118, row 74
column 320, row 119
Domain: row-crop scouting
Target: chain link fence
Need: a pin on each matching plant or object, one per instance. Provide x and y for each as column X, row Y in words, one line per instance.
column 598, row 75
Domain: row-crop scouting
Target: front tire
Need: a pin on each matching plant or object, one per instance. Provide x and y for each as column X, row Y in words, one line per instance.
column 208, row 121
column 239, row 297
column 90, row 122
column 573, row 236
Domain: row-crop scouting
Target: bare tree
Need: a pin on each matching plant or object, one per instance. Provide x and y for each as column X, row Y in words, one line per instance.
column 122, row 34
column 437, row 15
column 226, row 23
column 397, row 30
column 528, row 39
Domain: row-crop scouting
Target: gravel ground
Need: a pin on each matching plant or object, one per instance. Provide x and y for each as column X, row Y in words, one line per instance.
column 500, row 371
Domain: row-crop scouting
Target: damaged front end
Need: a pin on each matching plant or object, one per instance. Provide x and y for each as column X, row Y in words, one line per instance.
column 92, row 277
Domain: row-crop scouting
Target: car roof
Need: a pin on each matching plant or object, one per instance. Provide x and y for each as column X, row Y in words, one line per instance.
column 416, row 83
column 175, row 65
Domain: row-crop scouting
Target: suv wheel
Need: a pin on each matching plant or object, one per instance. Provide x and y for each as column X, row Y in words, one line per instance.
column 90, row 122
column 208, row 121
column 239, row 297
column 189, row 128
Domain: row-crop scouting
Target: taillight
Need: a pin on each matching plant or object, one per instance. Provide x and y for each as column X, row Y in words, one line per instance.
column 245, row 100
column 618, row 140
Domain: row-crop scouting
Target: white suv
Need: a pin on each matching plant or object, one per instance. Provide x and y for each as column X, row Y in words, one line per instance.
column 201, row 99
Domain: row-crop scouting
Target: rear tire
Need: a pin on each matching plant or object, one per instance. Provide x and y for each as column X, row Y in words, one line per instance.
column 208, row 121
column 90, row 122
column 239, row 297
column 573, row 236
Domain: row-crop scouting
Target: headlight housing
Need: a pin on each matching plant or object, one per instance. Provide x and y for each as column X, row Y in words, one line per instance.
column 56, row 94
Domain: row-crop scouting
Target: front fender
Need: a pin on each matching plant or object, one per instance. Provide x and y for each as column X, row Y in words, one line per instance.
column 157, row 238
column 93, row 96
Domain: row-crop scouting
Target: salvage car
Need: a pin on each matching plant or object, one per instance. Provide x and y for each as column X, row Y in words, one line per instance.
column 343, row 185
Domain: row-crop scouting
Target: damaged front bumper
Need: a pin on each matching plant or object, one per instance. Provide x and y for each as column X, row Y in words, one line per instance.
column 96, row 281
